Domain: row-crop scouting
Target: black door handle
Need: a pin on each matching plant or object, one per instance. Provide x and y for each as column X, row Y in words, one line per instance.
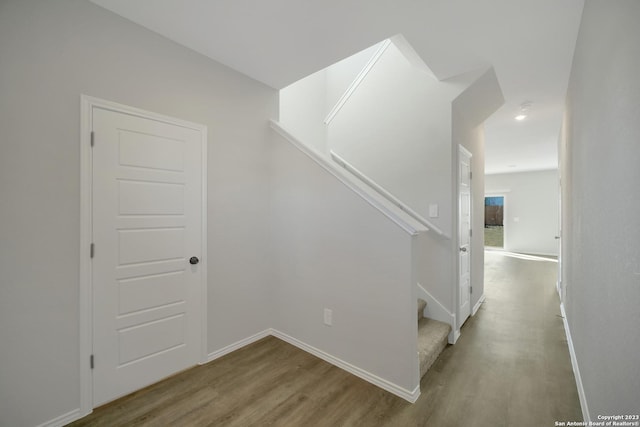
column 194, row 260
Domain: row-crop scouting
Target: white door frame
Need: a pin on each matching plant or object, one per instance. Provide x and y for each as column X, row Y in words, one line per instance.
column 87, row 103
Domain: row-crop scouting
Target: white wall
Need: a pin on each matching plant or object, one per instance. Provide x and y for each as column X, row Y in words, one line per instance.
column 600, row 155
column 303, row 108
column 334, row 250
column 50, row 53
column 531, row 219
column 342, row 74
column 305, row 104
column 396, row 129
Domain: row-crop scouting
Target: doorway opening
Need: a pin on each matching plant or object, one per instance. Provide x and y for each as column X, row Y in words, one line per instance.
column 494, row 221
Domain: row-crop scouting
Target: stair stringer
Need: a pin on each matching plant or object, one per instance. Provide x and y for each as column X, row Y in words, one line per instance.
column 437, row 311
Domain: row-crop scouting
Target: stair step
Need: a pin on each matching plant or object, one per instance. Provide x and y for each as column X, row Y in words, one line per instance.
column 421, row 306
column 432, row 339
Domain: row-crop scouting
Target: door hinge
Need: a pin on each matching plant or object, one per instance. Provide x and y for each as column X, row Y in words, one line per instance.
column 91, row 250
column 470, row 291
column 91, row 361
column 470, row 175
column 470, row 233
column 92, row 138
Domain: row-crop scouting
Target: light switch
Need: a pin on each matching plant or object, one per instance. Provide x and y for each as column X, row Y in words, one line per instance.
column 433, row 210
column 328, row 316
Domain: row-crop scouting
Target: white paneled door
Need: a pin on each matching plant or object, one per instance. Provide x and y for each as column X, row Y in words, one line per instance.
column 464, row 235
column 147, row 226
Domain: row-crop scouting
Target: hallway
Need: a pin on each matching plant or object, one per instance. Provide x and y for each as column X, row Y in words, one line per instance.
column 510, row 367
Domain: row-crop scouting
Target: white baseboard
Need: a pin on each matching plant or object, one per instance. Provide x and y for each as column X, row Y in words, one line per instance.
column 545, row 254
column 408, row 395
column 576, row 371
column 63, row 419
column 237, row 345
column 453, row 336
column 520, row 252
column 478, row 304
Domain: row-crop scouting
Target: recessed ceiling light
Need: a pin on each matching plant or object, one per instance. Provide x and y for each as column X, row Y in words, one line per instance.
column 523, row 110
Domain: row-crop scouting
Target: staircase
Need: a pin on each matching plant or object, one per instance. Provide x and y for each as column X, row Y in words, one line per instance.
column 432, row 338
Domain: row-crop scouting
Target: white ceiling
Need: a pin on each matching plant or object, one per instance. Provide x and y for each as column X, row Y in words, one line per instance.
column 530, row 43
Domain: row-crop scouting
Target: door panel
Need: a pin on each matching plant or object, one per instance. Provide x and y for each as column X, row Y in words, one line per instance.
column 464, row 235
column 152, row 198
column 150, row 338
column 137, row 245
column 147, row 222
column 150, row 151
column 155, row 290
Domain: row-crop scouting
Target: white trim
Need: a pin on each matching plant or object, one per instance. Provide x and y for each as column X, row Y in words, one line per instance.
column 436, row 310
column 464, row 150
column 204, row 305
column 553, row 168
column 85, row 288
column 535, row 256
column 362, row 177
column 477, row 306
column 359, row 78
column 545, row 254
column 453, row 336
column 237, row 345
column 523, row 255
column 87, row 103
column 63, row 419
column 576, row 371
column 408, row 395
column 407, row 224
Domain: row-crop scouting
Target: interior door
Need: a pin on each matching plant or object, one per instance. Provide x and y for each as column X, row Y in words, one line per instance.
column 147, row 224
column 464, row 235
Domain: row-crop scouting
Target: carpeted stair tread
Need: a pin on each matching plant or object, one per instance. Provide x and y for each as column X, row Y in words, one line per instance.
column 432, row 339
column 421, row 306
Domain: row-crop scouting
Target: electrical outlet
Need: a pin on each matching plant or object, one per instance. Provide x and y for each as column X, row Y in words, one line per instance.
column 328, row 316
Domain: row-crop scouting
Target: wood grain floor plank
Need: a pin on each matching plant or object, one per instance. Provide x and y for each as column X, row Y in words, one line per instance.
column 510, row 367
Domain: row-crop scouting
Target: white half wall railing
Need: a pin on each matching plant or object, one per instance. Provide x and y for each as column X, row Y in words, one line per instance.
column 415, row 215
column 359, row 78
column 399, row 217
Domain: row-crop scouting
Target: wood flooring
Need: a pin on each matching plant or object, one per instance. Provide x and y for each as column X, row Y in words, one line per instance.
column 510, row 367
